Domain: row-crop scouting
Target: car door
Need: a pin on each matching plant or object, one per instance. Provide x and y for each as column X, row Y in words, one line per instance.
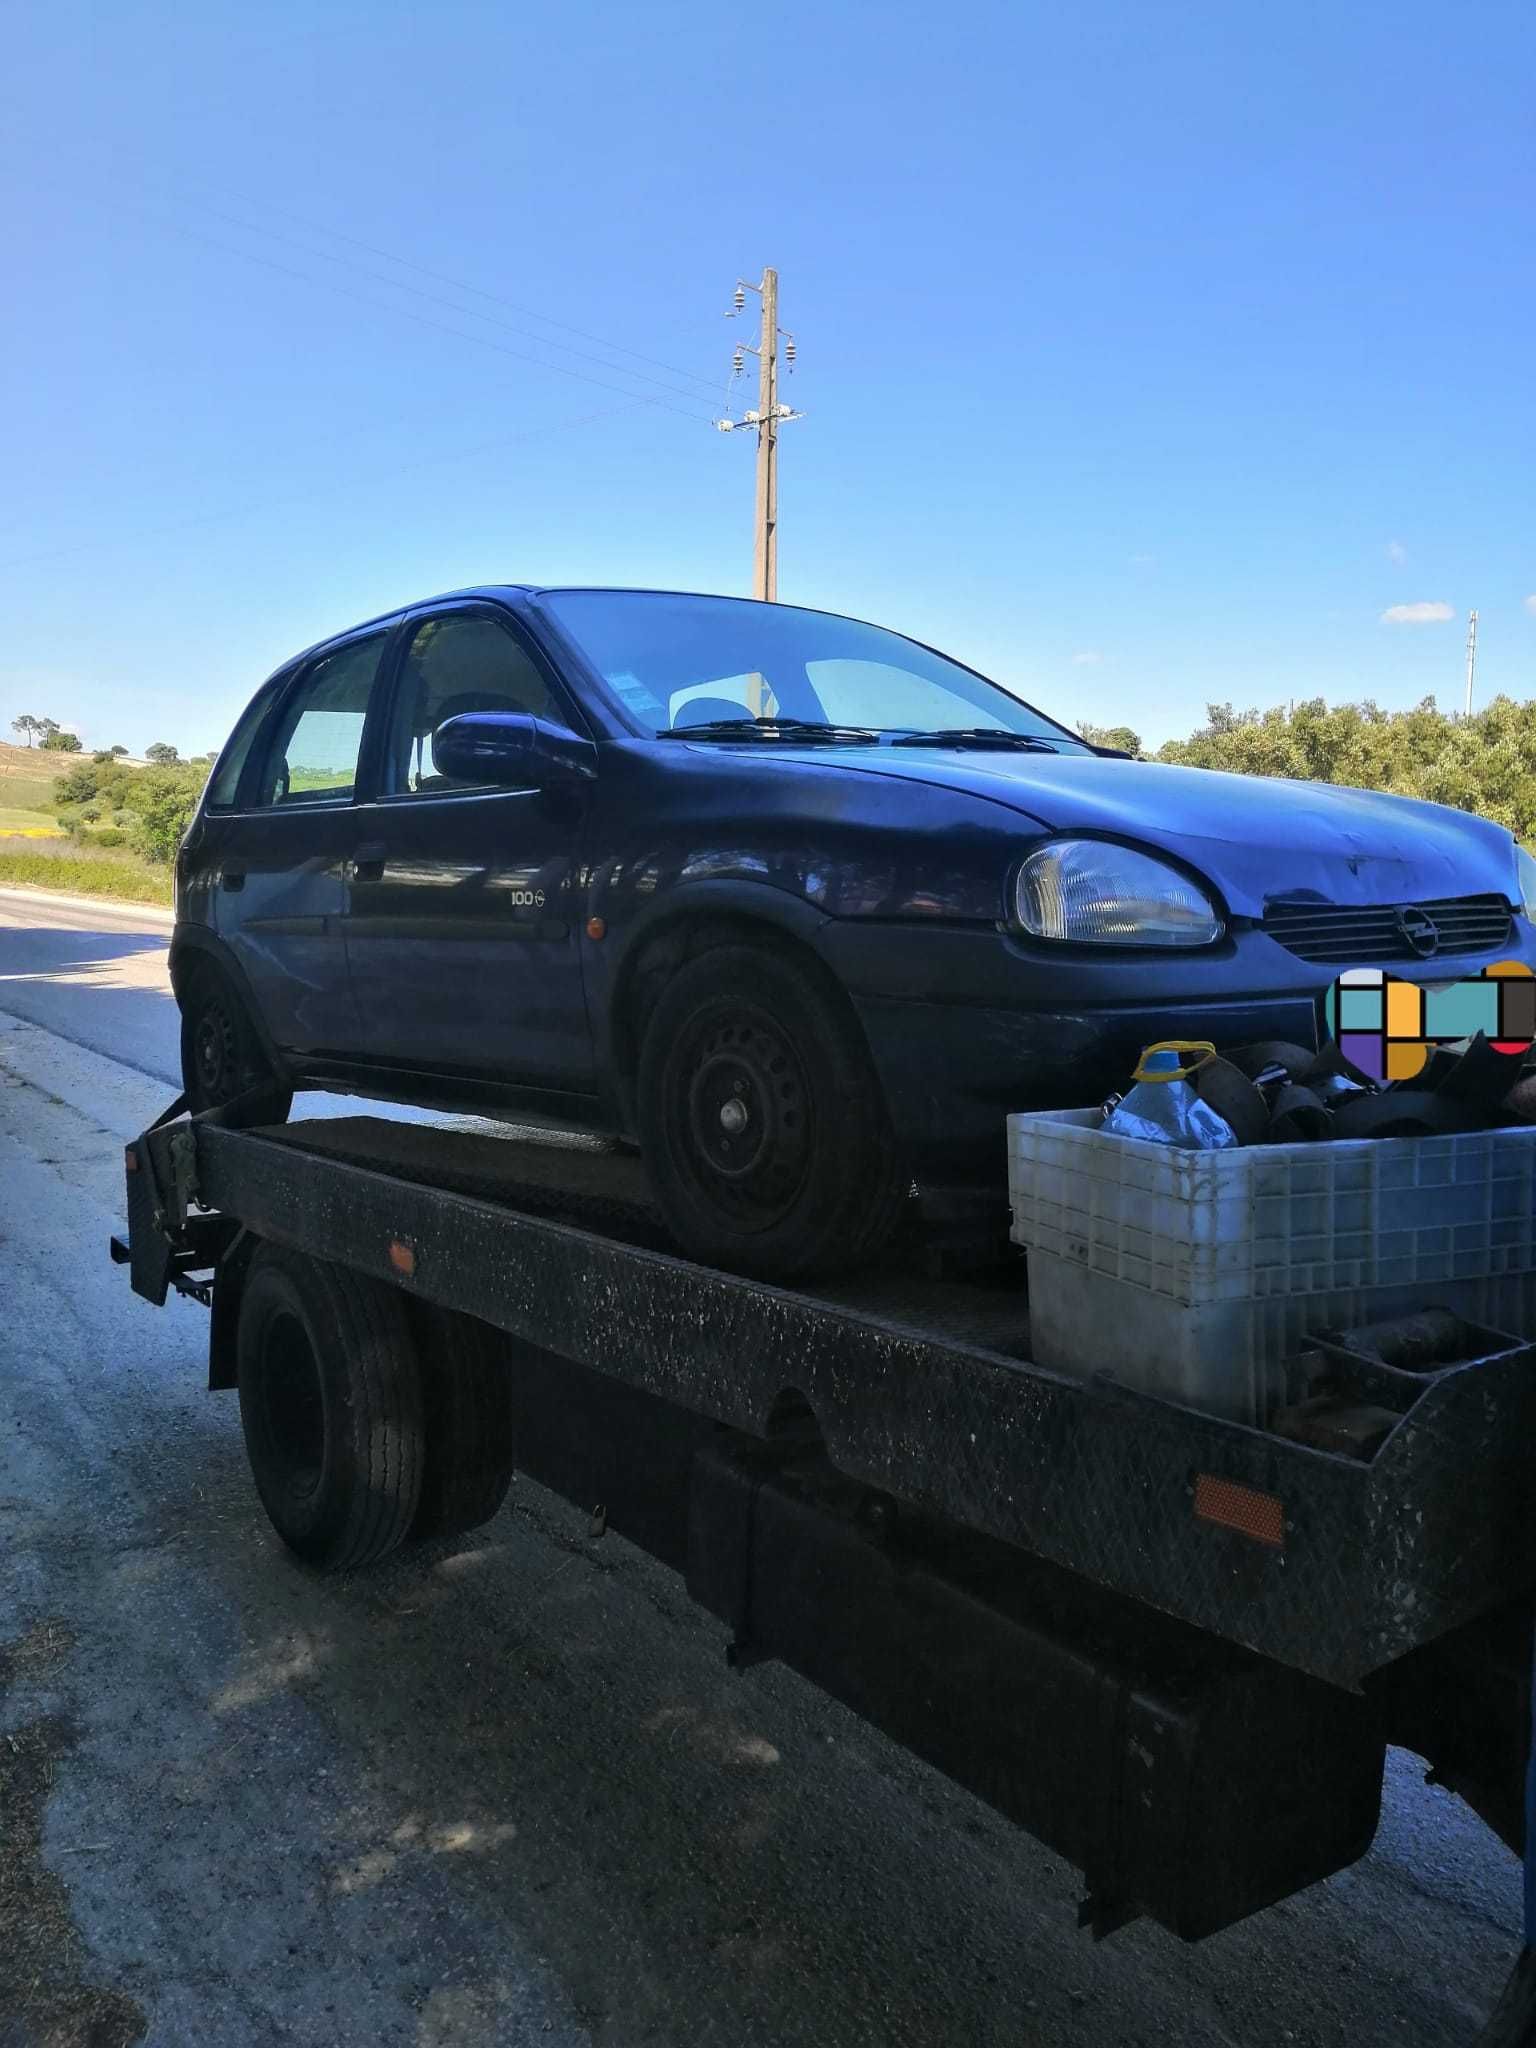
column 462, row 919
column 284, row 852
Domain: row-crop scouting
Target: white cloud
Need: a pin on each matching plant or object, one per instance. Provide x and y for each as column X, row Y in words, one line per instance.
column 1415, row 614
column 1396, row 553
column 1090, row 657
column 1530, row 602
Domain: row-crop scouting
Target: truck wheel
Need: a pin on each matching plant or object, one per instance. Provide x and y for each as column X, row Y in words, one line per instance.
column 466, row 1395
column 330, row 1403
column 764, row 1129
column 221, row 1055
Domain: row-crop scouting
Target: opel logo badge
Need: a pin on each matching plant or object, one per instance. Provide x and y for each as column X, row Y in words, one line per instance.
column 1417, row 929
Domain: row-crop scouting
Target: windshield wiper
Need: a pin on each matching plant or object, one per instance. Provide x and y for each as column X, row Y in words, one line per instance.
column 981, row 736
column 745, row 728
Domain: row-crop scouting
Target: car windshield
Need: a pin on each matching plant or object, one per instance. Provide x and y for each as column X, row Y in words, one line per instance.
column 680, row 662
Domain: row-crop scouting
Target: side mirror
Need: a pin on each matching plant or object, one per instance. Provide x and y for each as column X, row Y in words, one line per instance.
column 513, row 748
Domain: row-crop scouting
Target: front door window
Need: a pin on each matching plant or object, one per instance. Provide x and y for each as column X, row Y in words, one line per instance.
column 454, row 665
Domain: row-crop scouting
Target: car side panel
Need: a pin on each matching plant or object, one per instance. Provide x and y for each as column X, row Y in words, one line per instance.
column 278, row 892
column 462, row 937
column 693, row 832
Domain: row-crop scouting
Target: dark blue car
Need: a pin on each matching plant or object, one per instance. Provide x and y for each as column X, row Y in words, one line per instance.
column 800, row 905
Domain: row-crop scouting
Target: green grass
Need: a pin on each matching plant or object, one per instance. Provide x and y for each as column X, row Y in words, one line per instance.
column 45, row 864
column 19, row 818
column 29, row 792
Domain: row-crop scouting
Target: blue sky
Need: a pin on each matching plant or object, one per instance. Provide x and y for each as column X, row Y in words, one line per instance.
column 1149, row 353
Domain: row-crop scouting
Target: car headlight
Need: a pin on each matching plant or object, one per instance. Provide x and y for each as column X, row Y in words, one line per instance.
column 1094, row 893
column 1525, row 870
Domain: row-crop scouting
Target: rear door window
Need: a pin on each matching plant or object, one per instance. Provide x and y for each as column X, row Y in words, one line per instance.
column 319, row 735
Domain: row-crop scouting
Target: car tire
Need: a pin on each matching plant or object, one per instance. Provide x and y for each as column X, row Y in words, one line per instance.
column 331, row 1408
column 802, row 1178
column 221, row 1055
column 466, row 1399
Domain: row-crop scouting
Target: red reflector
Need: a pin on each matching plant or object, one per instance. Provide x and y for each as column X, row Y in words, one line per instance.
column 1243, row 1508
column 131, row 1160
column 402, row 1258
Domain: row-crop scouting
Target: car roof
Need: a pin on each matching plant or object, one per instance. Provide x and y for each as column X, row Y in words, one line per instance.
column 511, row 594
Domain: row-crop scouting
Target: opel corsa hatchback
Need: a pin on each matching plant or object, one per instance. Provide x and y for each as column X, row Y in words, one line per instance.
column 799, row 904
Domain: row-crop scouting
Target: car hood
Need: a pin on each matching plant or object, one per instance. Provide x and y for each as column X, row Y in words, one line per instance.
column 1257, row 838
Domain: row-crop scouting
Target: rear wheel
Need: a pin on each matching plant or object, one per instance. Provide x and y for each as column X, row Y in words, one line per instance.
column 467, row 1410
column 331, row 1408
column 764, row 1128
column 221, row 1055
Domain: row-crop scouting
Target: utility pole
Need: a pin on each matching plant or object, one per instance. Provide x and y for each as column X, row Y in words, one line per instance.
column 765, row 546
column 1471, row 656
column 767, row 418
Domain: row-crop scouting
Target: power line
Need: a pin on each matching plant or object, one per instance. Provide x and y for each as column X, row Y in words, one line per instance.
column 468, row 312
column 704, row 384
column 405, row 313
column 480, row 292
column 398, row 469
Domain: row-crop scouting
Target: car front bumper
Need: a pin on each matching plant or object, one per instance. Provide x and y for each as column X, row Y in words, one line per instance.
column 966, row 1024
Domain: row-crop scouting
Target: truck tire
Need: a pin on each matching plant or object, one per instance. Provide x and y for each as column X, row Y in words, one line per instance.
column 761, row 1117
column 330, row 1404
column 467, row 1408
column 221, row 1054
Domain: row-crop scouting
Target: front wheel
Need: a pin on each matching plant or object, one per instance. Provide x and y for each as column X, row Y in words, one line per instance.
column 221, row 1055
column 763, row 1125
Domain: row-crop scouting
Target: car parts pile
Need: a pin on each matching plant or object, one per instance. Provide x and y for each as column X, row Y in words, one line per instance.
column 1274, row 1093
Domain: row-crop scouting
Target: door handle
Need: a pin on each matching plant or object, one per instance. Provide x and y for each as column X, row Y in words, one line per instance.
column 233, row 878
column 367, row 863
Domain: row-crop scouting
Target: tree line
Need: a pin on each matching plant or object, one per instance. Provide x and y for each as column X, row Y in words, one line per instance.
column 107, row 801
column 1485, row 763
column 52, row 737
column 59, row 739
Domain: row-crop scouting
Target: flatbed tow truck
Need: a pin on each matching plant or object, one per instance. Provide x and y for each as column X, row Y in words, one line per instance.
column 1172, row 1647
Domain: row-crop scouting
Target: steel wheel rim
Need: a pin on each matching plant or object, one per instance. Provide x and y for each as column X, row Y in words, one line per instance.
column 214, row 1050
column 741, row 1111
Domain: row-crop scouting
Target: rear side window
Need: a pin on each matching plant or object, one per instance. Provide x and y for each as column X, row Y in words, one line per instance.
column 453, row 665
column 224, row 785
column 314, row 752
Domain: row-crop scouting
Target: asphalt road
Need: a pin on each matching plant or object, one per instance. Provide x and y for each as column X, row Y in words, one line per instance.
column 502, row 1790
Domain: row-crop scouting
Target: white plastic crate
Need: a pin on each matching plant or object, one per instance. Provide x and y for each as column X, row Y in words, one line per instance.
column 1268, row 1221
column 1225, row 1357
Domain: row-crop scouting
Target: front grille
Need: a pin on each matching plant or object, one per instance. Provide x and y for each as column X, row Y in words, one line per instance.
column 1363, row 935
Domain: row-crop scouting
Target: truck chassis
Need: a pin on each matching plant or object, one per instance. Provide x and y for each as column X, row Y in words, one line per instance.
column 1171, row 1647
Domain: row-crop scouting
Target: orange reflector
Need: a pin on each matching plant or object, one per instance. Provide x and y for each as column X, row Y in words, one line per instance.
column 402, row 1258
column 1243, row 1508
column 597, row 928
column 131, row 1160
